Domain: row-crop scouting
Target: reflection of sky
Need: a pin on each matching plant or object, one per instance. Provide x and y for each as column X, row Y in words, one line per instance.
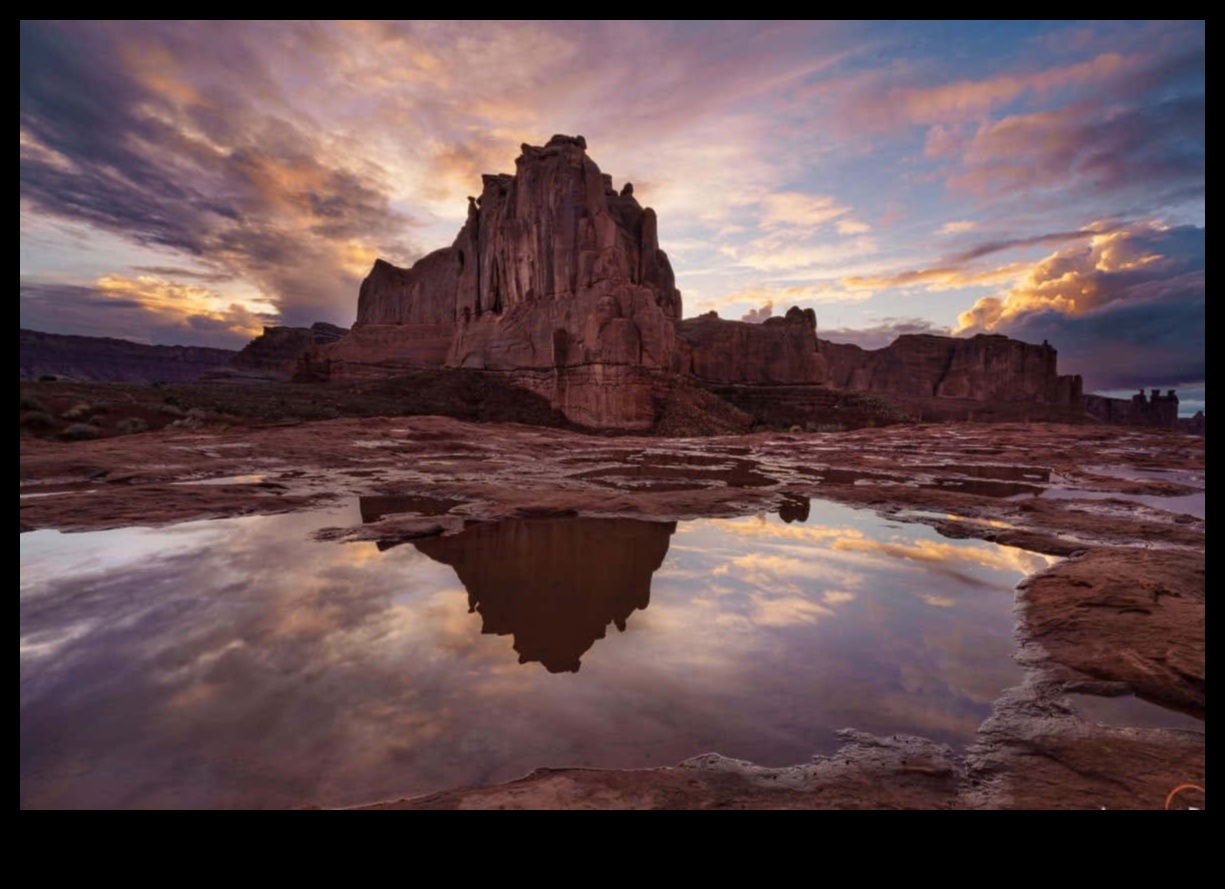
column 240, row 663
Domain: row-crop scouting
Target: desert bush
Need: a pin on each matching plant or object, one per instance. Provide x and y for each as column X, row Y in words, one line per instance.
column 80, row 432
column 132, row 425
column 30, row 403
column 198, row 413
column 47, row 378
column 78, row 412
column 173, row 399
column 172, row 410
column 187, row 423
column 38, row 420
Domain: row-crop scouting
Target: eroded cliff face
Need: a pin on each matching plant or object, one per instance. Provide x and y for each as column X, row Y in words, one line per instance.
column 987, row 367
column 556, row 281
column 556, row 278
column 779, row 350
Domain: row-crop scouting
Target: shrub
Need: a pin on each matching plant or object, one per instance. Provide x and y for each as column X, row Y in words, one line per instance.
column 80, row 432
column 47, row 378
column 170, row 409
column 30, row 403
column 132, row 425
column 77, row 412
column 187, row 423
column 38, row 420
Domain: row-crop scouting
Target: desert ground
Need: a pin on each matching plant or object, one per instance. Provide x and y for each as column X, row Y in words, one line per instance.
column 1120, row 614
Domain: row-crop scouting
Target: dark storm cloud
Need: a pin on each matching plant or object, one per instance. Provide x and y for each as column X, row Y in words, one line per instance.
column 1126, row 310
column 988, row 247
column 120, row 131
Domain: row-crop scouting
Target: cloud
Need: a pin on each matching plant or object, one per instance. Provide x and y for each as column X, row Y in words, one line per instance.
column 956, row 228
column 935, row 280
column 183, row 144
column 1125, row 308
column 799, row 294
column 145, row 309
column 1092, row 148
column 794, row 209
column 756, row 316
column 882, row 334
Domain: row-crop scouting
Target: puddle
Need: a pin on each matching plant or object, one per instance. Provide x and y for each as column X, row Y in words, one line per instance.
column 952, row 517
column 251, row 479
column 239, row 663
column 1194, row 478
column 59, row 493
column 1190, row 504
column 1128, row 711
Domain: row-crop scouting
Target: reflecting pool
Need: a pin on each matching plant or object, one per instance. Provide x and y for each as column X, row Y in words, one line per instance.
column 242, row 663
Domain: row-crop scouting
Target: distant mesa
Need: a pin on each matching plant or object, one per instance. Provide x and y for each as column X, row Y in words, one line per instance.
column 273, row 355
column 110, row 360
column 555, row 585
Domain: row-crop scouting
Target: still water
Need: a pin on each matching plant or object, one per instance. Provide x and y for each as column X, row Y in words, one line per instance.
column 240, row 663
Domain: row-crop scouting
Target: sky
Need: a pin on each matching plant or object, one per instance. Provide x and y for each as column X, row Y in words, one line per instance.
column 192, row 182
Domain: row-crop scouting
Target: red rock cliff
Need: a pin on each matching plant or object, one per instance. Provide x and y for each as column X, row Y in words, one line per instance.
column 555, row 278
column 987, row 367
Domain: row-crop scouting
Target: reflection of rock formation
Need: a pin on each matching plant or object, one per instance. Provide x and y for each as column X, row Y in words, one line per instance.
column 794, row 509
column 555, row 584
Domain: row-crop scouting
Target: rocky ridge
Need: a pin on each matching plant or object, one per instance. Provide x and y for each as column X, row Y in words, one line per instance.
column 556, row 281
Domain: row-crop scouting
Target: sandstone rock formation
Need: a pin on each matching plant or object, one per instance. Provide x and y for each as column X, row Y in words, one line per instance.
column 987, row 367
column 556, row 282
column 556, row 278
column 779, row 350
column 1139, row 410
column 273, row 355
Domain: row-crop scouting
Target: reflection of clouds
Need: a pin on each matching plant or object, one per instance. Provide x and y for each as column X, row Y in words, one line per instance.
column 257, row 666
column 998, row 558
column 781, row 611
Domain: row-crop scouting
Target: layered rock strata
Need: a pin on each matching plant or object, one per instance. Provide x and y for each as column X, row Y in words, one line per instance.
column 106, row 359
column 778, row 351
column 273, row 355
column 556, row 278
column 987, row 367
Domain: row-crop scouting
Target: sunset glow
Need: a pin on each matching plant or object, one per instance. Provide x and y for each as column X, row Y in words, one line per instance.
column 191, row 182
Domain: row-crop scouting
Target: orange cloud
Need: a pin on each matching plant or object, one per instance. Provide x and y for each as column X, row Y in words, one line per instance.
column 180, row 304
column 938, row 279
column 1071, row 282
